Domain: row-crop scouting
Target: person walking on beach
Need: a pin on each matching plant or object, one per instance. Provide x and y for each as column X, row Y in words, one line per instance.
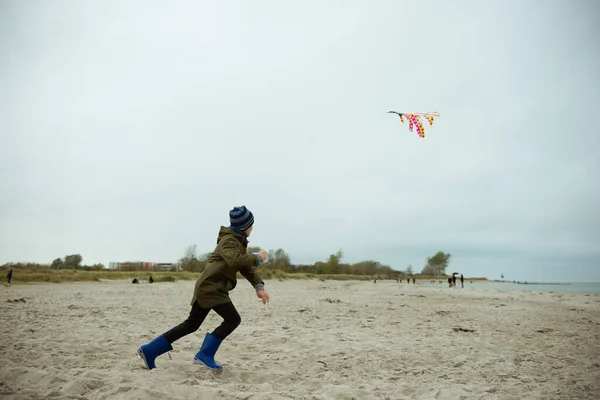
column 454, row 280
column 211, row 292
column 462, row 281
column 9, row 276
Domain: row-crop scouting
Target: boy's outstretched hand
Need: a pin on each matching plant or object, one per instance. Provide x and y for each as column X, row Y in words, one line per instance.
column 263, row 295
column 263, row 255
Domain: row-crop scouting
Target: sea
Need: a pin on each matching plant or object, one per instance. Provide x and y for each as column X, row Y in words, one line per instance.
column 562, row 287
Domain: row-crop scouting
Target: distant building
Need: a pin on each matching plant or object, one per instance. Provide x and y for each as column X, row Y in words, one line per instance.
column 134, row 266
column 166, row 267
column 143, row 266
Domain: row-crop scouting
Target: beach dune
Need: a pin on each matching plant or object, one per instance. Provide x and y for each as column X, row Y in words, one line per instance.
column 315, row 340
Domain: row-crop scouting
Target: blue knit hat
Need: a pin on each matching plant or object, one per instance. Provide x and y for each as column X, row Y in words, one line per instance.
column 241, row 218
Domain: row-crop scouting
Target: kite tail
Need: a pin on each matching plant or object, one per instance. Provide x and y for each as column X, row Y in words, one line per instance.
column 420, row 128
column 411, row 122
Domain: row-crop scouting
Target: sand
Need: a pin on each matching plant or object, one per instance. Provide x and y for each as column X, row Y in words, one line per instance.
column 316, row 340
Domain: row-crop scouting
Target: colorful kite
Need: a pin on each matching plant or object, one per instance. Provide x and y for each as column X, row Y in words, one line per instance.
column 414, row 120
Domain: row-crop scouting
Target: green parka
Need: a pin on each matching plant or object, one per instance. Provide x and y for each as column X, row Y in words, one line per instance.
column 219, row 277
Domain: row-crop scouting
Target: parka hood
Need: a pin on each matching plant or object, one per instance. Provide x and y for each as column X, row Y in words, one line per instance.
column 225, row 231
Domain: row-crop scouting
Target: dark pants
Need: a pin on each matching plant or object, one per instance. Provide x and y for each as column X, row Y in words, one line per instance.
column 227, row 311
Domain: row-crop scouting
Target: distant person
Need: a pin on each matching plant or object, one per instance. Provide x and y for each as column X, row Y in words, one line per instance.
column 449, row 282
column 408, row 280
column 414, row 280
column 462, row 281
column 9, row 276
column 135, row 280
column 211, row 292
column 151, row 279
column 454, row 280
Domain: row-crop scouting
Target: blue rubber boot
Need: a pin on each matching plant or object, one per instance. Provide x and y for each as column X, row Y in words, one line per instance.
column 206, row 355
column 149, row 352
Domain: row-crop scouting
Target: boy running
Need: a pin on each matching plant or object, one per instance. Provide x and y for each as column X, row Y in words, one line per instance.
column 212, row 292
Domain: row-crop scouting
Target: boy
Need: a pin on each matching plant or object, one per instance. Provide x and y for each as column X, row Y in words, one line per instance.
column 212, row 292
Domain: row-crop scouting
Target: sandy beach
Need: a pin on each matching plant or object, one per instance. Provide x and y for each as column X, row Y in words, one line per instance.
column 315, row 340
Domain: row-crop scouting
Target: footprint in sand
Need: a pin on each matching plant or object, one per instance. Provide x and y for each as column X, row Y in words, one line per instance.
column 82, row 386
column 254, row 378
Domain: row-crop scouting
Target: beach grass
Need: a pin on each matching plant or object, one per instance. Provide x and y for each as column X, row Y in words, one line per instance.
column 49, row 275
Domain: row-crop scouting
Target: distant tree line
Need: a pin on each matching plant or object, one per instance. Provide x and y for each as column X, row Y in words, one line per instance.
column 278, row 259
column 437, row 264
column 71, row 261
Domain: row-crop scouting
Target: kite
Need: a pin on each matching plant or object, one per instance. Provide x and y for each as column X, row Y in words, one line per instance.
column 414, row 120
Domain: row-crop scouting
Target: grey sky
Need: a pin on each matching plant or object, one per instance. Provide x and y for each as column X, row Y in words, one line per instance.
column 130, row 128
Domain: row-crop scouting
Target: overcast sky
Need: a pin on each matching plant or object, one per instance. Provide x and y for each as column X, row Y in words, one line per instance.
column 129, row 129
